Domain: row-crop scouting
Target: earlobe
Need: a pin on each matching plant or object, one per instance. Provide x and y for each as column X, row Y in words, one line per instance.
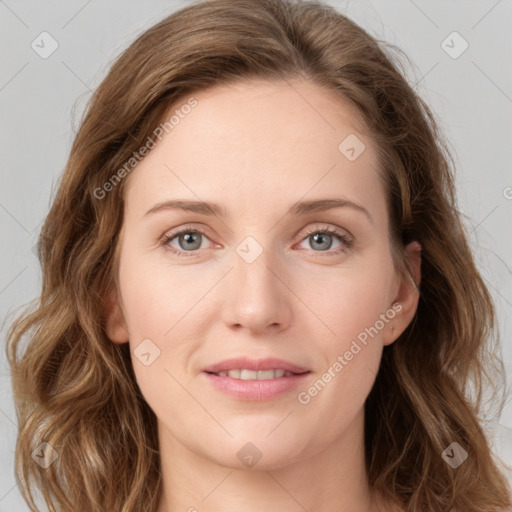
column 115, row 325
column 407, row 296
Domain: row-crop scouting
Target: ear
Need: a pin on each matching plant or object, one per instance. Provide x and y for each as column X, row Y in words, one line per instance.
column 407, row 296
column 115, row 324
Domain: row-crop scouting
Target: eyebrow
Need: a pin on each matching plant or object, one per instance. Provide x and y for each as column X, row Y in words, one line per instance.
column 298, row 209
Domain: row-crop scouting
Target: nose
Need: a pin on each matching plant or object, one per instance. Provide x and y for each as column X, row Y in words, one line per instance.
column 256, row 296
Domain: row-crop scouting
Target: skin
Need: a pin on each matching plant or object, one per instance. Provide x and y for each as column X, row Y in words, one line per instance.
column 256, row 148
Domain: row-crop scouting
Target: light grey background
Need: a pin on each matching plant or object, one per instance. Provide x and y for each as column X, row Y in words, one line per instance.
column 471, row 95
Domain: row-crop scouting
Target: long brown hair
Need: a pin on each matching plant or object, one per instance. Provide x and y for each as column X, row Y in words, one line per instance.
column 76, row 390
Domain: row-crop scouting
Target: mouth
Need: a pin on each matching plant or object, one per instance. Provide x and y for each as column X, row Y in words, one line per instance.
column 244, row 378
column 247, row 374
column 247, row 368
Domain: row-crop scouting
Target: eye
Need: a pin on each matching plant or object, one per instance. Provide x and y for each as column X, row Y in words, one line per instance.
column 189, row 240
column 321, row 239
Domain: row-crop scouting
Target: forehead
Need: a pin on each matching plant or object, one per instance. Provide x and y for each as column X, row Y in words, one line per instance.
column 259, row 140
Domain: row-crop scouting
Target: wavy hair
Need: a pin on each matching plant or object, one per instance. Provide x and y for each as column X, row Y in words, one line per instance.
column 76, row 390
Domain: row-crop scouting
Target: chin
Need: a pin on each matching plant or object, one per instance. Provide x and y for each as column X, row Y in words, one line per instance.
column 258, row 453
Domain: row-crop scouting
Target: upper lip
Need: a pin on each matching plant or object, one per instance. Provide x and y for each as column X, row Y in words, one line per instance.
column 254, row 364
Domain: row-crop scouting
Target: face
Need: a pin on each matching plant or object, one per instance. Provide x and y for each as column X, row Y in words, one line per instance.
column 260, row 278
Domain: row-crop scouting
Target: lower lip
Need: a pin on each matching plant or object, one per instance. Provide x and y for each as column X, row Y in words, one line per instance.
column 256, row 390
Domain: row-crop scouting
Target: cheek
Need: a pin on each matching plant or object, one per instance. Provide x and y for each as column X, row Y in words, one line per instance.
column 155, row 296
column 165, row 307
column 350, row 352
column 349, row 300
column 354, row 308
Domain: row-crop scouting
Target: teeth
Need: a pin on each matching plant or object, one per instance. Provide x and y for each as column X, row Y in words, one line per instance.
column 244, row 374
column 251, row 375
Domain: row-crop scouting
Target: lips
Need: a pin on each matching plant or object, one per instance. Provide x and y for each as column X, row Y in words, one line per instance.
column 255, row 365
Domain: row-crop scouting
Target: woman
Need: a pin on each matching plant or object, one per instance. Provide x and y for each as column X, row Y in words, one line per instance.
column 257, row 369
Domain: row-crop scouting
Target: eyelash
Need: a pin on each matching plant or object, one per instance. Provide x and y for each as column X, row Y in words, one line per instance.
column 347, row 242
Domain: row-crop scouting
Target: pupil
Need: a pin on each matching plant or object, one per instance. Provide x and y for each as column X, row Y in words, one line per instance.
column 190, row 237
column 315, row 237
